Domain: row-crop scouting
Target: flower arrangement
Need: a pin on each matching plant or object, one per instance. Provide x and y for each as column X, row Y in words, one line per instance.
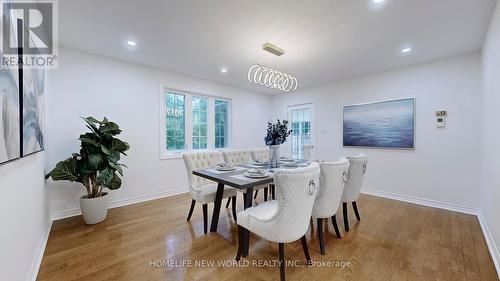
column 277, row 133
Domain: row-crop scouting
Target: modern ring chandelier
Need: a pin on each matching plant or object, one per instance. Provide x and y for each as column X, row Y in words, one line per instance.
column 270, row 78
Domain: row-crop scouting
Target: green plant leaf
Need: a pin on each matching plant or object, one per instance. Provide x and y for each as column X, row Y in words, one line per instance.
column 114, row 156
column 91, row 119
column 118, row 145
column 110, row 128
column 65, row 170
column 115, row 183
column 95, row 131
column 105, row 150
column 105, row 177
column 89, row 138
column 117, row 167
column 95, row 161
column 86, row 169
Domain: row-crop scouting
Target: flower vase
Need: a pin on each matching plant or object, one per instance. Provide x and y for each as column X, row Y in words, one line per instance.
column 274, row 156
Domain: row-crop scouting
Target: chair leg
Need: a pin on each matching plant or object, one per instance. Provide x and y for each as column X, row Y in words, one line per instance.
column 346, row 219
column 266, row 191
column 320, row 236
column 282, row 261
column 356, row 212
column 256, row 193
column 234, row 208
column 273, row 191
column 240, row 243
column 205, row 215
column 228, row 201
column 191, row 209
column 306, row 249
column 335, row 226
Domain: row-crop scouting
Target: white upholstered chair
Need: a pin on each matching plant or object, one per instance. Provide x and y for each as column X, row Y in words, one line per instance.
column 357, row 170
column 260, row 154
column 332, row 180
column 202, row 190
column 238, row 157
column 285, row 219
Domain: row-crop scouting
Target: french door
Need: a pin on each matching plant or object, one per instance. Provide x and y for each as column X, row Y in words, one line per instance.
column 301, row 122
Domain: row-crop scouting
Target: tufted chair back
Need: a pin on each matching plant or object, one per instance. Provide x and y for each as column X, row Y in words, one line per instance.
column 200, row 160
column 357, row 170
column 296, row 190
column 236, row 157
column 332, row 180
column 261, row 154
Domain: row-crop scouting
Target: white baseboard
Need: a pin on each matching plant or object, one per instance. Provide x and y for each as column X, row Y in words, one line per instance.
column 421, row 201
column 122, row 202
column 492, row 247
column 37, row 261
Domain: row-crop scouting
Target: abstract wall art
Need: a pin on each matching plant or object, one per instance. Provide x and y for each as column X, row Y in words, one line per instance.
column 386, row 124
column 9, row 114
column 33, row 110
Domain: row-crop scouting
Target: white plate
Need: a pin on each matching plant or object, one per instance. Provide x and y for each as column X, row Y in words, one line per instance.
column 287, row 160
column 260, row 164
column 226, row 169
column 256, row 176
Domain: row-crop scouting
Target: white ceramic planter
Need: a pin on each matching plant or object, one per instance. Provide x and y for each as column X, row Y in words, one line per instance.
column 94, row 210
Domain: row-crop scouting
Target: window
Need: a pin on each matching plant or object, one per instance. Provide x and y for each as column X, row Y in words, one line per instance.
column 175, row 121
column 300, row 118
column 221, row 123
column 192, row 122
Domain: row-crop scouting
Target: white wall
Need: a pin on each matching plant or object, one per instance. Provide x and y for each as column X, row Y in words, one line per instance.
column 490, row 188
column 88, row 85
column 445, row 164
column 25, row 217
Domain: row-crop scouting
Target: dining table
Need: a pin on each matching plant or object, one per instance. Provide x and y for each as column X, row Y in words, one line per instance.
column 238, row 179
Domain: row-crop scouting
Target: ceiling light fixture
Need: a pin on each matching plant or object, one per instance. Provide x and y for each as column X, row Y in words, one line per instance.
column 132, row 43
column 378, row 1
column 224, row 69
column 406, row 50
column 270, row 78
column 273, row 49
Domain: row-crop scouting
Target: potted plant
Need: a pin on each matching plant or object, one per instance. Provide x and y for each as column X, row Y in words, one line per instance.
column 276, row 135
column 96, row 166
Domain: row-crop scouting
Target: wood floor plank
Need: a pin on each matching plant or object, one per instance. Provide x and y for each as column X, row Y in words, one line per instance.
column 153, row 241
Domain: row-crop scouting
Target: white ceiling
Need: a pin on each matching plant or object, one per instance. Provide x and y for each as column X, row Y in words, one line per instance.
column 324, row 40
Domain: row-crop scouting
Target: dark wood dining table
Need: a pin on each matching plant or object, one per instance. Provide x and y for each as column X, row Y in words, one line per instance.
column 236, row 180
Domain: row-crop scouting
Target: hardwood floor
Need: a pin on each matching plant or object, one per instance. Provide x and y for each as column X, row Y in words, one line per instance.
column 393, row 241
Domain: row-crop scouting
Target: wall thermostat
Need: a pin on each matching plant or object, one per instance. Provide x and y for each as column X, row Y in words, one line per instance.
column 441, row 118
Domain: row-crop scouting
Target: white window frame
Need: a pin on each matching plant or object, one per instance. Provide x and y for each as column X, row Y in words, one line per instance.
column 188, row 113
column 309, row 105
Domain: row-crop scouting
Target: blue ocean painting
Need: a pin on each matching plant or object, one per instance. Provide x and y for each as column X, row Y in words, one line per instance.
column 389, row 124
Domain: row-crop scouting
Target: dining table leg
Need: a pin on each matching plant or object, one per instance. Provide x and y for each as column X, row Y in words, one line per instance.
column 246, row 234
column 217, row 205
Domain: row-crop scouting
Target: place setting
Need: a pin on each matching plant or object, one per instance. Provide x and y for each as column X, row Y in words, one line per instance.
column 223, row 167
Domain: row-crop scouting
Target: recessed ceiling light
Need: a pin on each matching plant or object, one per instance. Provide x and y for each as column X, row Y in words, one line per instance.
column 224, row 69
column 131, row 43
column 378, row 1
column 406, row 50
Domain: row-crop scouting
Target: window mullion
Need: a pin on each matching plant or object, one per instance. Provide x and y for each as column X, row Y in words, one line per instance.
column 211, row 124
column 188, row 131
